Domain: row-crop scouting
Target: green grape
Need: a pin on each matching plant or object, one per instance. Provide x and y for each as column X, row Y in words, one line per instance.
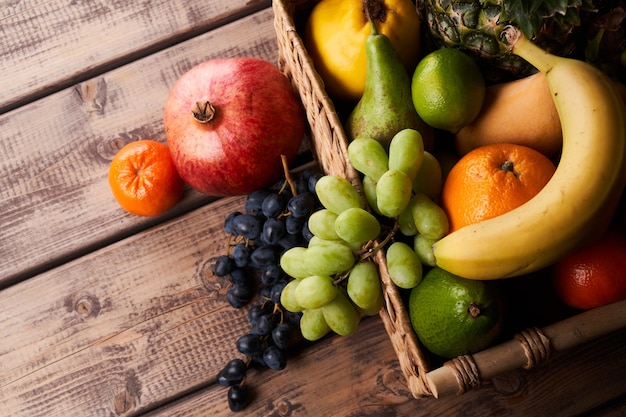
column 423, row 247
column 292, row 262
column 406, row 223
column 374, row 308
column 430, row 219
column 364, row 287
column 328, row 258
column 337, row 194
column 369, row 189
column 315, row 291
column 368, row 157
column 316, row 240
column 341, row 315
column 406, row 152
column 288, row 297
column 322, row 224
column 356, row 225
column 313, row 326
column 405, row 268
column 393, row 192
column 429, row 178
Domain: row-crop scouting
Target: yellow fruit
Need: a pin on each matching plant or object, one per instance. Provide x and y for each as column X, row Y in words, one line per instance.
column 335, row 35
column 448, row 89
column 453, row 316
column 520, row 112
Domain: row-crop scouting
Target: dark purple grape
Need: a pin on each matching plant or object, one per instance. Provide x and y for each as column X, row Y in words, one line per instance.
column 248, row 226
column 302, row 184
column 233, row 373
column 249, row 344
column 313, row 181
column 254, row 313
column 264, row 325
column 270, row 274
column 264, row 255
column 273, row 231
column 273, row 205
column 241, row 255
column 257, row 360
column 233, row 300
column 274, row 358
column 239, row 276
column 289, row 241
column 229, row 226
column 277, row 290
column 301, row 205
column 265, row 294
column 306, row 232
column 293, row 225
column 223, row 265
column 281, row 335
column 254, row 202
column 242, row 293
column 237, row 397
column 292, row 318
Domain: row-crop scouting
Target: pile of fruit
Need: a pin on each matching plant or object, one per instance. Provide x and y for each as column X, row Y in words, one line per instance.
column 491, row 142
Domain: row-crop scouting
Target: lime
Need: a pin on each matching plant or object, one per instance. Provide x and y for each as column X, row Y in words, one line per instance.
column 454, row 316
column 448, row 89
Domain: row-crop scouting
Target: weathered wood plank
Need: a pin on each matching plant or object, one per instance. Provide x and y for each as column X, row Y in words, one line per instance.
column 54, row 197
column 359, row 376
column 124, row 328
column 48, row 45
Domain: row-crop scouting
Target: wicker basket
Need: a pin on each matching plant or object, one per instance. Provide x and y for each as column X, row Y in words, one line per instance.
column 527, row 349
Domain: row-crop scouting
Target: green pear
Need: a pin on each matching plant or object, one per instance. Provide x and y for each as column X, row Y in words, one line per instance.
column 386, row 106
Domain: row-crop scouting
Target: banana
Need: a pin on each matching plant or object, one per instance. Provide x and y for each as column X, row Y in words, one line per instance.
column 579, row 200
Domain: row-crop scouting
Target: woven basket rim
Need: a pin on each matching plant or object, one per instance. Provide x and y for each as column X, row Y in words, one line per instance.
column 330, row 148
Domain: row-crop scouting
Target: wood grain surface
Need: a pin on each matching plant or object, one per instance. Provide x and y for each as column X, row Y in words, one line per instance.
column 54, row 194
column 107, row 314
column 48, row 45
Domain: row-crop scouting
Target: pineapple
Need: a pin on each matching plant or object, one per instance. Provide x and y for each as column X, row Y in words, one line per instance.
column 606, row 38
column 474, row 26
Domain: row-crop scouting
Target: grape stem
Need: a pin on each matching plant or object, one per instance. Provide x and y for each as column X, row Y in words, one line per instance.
column 367, row 251
column 288, row 178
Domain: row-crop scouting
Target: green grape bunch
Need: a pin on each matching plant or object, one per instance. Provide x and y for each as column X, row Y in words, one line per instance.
column 336, row 279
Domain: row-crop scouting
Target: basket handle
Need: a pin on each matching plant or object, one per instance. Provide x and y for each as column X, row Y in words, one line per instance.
column 526, row 350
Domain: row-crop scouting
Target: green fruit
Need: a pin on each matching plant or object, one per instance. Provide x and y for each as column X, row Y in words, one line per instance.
column 314, row 292
column 337, row 194
column 454, row 316
column 403, row 265
column 313, row 326
column 393, row 192
column 429, row 178
column 356, row 225
column 368, row 157
column 406, row 152
column 322, row 224
column 448, row 89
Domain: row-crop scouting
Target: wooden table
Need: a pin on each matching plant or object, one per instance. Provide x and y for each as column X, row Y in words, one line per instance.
column 107, row 314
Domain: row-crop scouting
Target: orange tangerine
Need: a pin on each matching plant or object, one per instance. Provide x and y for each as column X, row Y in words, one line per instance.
column 492, row 180
column 143, row 178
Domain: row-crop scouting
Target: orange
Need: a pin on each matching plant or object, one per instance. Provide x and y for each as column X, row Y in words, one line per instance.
column 492, row 180
column 593, row 275
column 143, row 178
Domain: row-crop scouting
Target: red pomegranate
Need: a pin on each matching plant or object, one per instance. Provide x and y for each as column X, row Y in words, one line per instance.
column 227, row 123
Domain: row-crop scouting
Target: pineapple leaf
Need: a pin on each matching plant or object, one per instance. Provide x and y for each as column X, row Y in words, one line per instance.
column 529, row 15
